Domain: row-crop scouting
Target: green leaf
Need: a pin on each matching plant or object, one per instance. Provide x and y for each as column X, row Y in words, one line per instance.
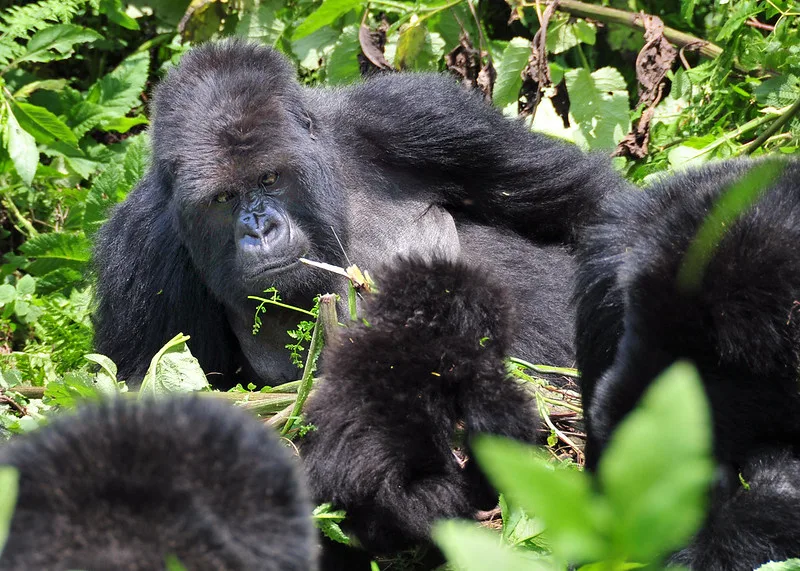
column 55, row 42
column 42, row 124
column 657, row 468
column 124, row 124
column 562, row 497
column 564, row 34
column 44, row 84
column 26, row 286
column 56, row 250
column 471, row 548
column 262, row 23
column 74, row 387
column 327, row 521
column 687, row 10
column 410, row 46
column 8, row 293
column 342, row 64
column 173, row 370
column 788, row 565
column 9, row 487
column 778, row 91
column 325, row 15
column 509, row 80
column 22, row 149
column 107, row 375
column 113, row 95
column 311, row 49
column 116, row 13
column 734, row 202
column 599, row 106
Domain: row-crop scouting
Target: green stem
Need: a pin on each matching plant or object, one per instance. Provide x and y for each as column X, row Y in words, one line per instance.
column 327, row 312
column 281, row 304
column 784, row 118
column 546, row 369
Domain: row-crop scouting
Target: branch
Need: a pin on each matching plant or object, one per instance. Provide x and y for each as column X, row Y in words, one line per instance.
column 634, row 20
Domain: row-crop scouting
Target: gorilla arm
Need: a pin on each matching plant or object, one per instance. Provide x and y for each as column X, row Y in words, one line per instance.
column 496, row 170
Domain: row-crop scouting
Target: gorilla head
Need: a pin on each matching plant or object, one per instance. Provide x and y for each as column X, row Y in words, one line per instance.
column 250, row 188
column 125, row 485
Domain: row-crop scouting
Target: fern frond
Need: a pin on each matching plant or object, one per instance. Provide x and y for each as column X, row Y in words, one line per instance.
column 19, row 23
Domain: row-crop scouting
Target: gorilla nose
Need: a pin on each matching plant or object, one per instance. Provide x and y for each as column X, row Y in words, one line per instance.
column 258, row 231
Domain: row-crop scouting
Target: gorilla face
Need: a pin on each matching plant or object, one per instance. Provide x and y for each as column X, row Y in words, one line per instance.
column 250, row 184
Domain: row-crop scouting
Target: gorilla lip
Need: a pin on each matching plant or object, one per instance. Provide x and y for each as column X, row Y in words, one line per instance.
column 275, row 267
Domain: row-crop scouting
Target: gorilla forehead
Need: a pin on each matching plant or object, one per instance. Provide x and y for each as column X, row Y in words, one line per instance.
column 226, row 109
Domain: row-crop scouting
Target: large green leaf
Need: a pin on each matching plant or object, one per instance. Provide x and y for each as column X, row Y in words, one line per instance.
column 22, row 149
column 342, row 64
column 509, row 81
column 562, row 497
column 55, row 42
column 113, row 95
column 658, row 467
column 9, row 485
column 42, row 124
column 173, row 370
column 599, row 107
column 56, row 250
column 325, row 15
column 470, row 548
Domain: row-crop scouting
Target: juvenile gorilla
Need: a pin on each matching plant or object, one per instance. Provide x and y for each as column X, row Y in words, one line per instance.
column 430, row 357
column 739, row 325
column 124, row 486
column 251, row 171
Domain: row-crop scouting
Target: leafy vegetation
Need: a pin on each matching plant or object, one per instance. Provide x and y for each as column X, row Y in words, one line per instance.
column 699, row 80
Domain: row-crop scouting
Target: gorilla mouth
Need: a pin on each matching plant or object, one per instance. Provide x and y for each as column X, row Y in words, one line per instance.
column 273, row 267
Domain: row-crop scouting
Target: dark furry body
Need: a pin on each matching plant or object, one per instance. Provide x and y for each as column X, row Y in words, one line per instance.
column 740, row 328
column 394, row 391
column 124, row 485
column 401, row 164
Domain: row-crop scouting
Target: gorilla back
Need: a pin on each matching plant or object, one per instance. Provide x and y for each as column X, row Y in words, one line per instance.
column 738, row 323
column 125, row 485
column 251, row 171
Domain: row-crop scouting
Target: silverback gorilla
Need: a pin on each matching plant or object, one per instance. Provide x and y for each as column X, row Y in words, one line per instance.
column 124, row 486
column 251, row 171
column 430, row 357
column 739, row 325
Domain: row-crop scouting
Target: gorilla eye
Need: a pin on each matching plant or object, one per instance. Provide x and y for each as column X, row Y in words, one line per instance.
column 269, row 178
column 223, row 197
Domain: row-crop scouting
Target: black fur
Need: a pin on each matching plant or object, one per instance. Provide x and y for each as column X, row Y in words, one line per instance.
column 394, row 390
column 124, row 485
column 404, row 163
column 740, row 327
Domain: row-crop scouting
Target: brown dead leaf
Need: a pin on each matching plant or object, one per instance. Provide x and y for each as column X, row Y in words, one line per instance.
column 652, row 64
column 371, row 59
column 465, row 62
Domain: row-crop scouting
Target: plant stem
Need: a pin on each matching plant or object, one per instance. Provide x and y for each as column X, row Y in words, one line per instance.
column 327, row 313
column 784, row 118
column 634, row 20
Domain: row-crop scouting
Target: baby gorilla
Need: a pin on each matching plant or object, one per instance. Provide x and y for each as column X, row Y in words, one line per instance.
column 735, row 319
column 126, row 486
column 430, row 356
